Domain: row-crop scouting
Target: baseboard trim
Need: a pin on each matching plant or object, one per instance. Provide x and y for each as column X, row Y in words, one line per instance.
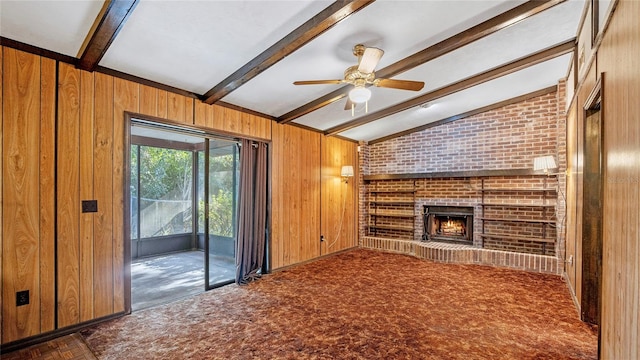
column 565, row 276
column 37, row 339
column 312, row 260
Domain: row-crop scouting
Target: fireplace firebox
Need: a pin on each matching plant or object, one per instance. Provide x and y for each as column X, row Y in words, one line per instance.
column 448, row 223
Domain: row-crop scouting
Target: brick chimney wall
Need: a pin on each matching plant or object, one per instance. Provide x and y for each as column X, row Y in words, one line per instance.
column 504, row 138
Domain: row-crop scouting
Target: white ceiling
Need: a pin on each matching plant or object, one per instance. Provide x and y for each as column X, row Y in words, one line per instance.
column 194, row 45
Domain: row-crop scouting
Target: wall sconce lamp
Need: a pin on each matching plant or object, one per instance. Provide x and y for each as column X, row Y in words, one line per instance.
column 346, row 172
column 545, row 163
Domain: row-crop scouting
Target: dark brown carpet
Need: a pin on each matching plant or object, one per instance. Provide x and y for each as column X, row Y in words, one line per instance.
column 362, row 304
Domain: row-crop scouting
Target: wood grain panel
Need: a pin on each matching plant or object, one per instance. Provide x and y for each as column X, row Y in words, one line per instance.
column 2, row 282
column 148, row 100
column 231, row 120
column 103, row 188
column 48, row 88
column 163, row 103
column 295, row 193
column 339, row 199
column 200, row 113
column 68, row 197
column 86, row 193
column 125, row 99
column 175, row 107
column 618, row 60
column 583, row 93
column 572, row 159
column 20, row 189
column 188, row 110
column 216, row 117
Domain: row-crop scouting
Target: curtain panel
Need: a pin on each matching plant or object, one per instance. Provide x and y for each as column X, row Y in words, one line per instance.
column 252, row 212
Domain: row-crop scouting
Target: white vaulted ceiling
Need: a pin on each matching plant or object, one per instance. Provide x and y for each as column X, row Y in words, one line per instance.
column 195, row 45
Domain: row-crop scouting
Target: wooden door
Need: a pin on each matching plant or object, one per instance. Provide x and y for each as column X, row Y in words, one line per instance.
column 592, row 217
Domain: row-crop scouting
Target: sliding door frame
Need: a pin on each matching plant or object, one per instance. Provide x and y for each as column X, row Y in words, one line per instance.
column 131, row 117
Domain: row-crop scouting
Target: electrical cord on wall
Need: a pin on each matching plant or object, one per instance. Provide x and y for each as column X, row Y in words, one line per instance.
column 344, row 209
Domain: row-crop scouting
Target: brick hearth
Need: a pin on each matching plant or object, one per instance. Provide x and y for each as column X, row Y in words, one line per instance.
column 466, row 254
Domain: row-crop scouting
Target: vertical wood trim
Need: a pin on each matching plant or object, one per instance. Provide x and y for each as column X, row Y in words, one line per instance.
column 125, row 99
column 20, row 189
column 86, row 193
column 103, row 188
column 68, row 196
column 47, row 194
column 296, row 198
column 571, row 218
column 2, row 282
column 592, row 220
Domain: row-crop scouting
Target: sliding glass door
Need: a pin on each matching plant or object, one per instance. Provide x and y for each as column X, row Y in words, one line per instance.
column 184, row 193
column 219, row 179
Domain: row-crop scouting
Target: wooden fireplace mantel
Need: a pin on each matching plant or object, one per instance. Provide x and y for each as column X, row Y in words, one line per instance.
column 455, row 174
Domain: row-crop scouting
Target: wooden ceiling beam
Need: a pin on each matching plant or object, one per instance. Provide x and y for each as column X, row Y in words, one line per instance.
column 491, row 26
column 516, row 65
column 306, row 32
column 108, row 23
column 466, row 114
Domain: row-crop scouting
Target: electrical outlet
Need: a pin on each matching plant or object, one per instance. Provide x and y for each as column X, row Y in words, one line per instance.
column 89, row 206
column 22, row 298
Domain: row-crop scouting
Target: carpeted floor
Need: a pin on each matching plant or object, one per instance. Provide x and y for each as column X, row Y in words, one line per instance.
column 361, row 304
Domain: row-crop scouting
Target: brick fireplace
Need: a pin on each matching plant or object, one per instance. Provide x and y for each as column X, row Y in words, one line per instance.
column 480, row 162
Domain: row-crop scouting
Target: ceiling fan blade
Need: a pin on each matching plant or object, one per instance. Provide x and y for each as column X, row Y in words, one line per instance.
column 317, row 82
column 400, row 84
column 369, row 60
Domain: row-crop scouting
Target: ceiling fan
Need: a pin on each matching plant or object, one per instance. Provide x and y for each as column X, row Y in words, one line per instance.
column 363, row 75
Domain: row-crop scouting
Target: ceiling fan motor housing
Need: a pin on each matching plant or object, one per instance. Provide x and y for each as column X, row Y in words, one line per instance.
column 355, row 77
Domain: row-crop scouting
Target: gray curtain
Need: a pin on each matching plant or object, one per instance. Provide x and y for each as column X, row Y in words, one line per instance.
column 252, row 212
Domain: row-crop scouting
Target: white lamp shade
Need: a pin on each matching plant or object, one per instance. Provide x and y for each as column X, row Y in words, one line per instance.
column 359, row 94
column 346, row 171
column 544, row 163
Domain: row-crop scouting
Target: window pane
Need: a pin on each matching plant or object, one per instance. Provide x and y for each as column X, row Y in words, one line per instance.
column 222, row 193
column 134, row 192
column 166, row 193
column 200, row 192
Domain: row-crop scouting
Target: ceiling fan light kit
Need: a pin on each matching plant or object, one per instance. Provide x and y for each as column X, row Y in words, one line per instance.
column 359, row 94
column 362, row 75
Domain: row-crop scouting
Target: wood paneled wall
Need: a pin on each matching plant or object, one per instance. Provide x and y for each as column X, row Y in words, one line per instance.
column 52, row 160
column 616, row 58
column 28, row 125
column 295, row 196
column 339, row 218
column 232, row 121
column 572, row 215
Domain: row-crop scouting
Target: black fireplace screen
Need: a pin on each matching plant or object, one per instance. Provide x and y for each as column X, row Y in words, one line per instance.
column 448, row 223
